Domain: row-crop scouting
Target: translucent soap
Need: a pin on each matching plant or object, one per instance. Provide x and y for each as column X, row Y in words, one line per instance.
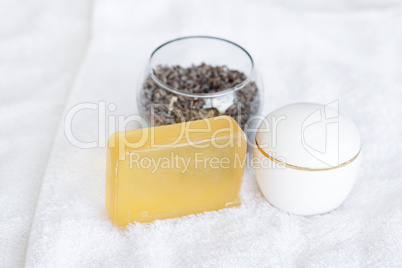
column 174, row 170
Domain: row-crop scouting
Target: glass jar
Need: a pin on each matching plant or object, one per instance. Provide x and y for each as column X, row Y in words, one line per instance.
column 169, row 93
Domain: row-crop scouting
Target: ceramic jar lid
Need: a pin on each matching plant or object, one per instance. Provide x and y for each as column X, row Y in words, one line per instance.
column 309, row 135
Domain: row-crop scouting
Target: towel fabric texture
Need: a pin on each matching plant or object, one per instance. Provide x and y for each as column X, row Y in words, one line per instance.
column 64, row 54
column 41, row 48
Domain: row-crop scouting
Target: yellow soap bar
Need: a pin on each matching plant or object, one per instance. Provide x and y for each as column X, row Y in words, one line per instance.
column 174, row 170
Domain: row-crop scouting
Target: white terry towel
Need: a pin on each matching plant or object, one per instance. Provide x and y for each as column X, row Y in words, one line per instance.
column 302, row 55
column 41, row 45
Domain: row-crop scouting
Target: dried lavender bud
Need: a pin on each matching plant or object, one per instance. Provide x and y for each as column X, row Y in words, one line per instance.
column 161, row 106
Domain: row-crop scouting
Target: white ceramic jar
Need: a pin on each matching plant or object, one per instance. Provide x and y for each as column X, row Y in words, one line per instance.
column 306, row 157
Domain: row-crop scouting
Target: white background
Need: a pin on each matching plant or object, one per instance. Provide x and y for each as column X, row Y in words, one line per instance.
column 56, row 54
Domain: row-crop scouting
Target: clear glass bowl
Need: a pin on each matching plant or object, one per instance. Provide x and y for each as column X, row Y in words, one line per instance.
column 163, row 102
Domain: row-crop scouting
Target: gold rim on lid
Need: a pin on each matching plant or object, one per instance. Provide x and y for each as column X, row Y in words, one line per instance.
column 303, row 168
